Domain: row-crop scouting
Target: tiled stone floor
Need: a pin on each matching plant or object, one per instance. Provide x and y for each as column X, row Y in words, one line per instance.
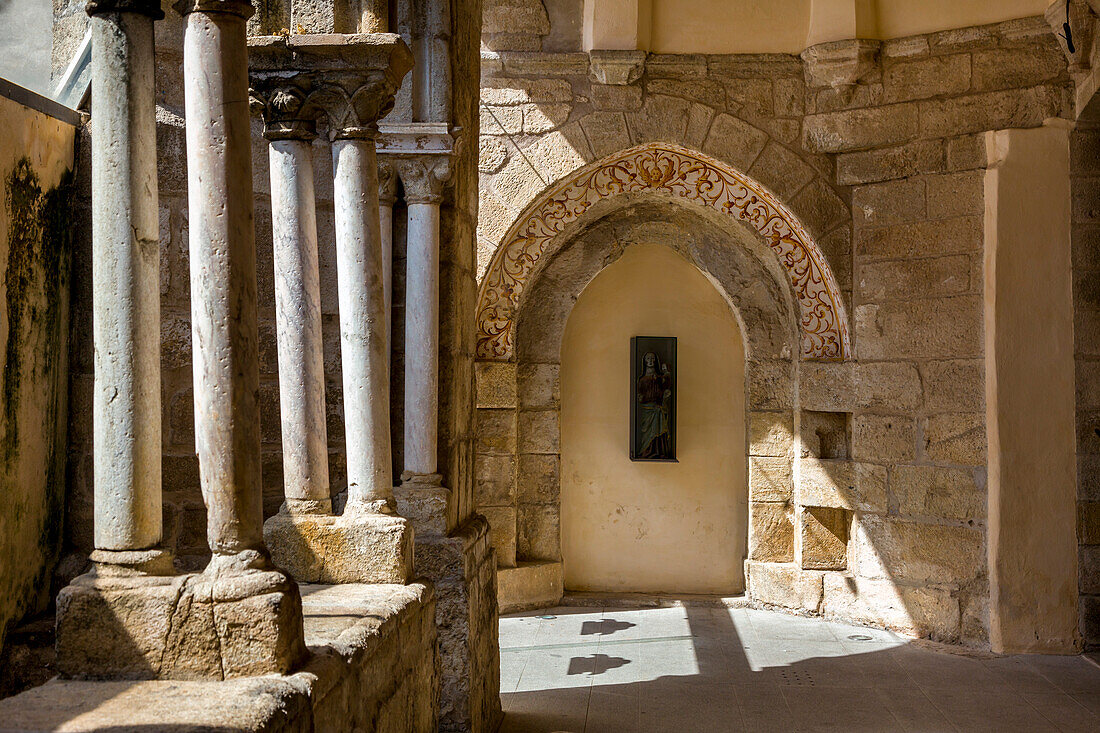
column 695, row 668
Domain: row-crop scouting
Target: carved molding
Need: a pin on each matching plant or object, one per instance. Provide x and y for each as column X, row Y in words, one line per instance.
column 669, row 170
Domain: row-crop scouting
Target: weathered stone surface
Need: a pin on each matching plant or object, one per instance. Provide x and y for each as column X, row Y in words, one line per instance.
column 1088, row 522
column 621, row 98
column 179, row 626
column 1001, row 68
column 902, row 279
column 940, row 328
column 956, row 438
column 859, row 129
column 771, row 434
column 615, row 66
column 502, row 533
column 891, row 202
column 883, row 438
column 839, row 63
column 929, row 77
column 372, row 646
column 496, row 431
column 909, row 610
column 921, row 238
column 734, row 141
column 351, row 548
column 530, row 585
column 606, row 132
column 496, row 384
column 824, row 434
column 919, row 553
column 933, row 491
column 989, row 111
column 507, row 91
column 539, row 431
column 888, row 386
column 770, row 479
column 539, row 478
column 771, row 532
column 539, row 535
column 827, row 386
column 783, row 585
column 842, row 485
column 956, row 194
column 495, row 480
column 770, row 385
column 901, row 161
column 824, row 537
column 539, row 386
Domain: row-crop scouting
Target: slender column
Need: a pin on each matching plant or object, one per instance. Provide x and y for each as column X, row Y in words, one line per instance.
column 223, row 278
column 374, row 16
column 362, row 321
column 387, row 197
column 297, row 303
column 126, row 283
column 423, row 179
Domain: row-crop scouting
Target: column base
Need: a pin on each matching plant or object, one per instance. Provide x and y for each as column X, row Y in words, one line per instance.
column 423, row 499
column 211, row 625
column 355, row 547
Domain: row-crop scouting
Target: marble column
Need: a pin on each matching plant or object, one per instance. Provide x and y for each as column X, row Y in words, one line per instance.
column 223, row 276
column 423, row 179
column 126, row 410
column 290, row 127
column 351, row 80
column 387, row 197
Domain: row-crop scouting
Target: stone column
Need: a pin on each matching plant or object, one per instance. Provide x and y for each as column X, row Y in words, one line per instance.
column 423, row 177
column 290, row 126
column 373, row 16
column 387, row 197
column 126, row 287
column 352, row 80
column 240, row 617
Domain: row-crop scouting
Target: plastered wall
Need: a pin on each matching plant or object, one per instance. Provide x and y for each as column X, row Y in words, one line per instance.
column 645, row 526
column 35, row 164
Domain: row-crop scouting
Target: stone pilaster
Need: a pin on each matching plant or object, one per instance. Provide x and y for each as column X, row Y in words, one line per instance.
column 351, row 80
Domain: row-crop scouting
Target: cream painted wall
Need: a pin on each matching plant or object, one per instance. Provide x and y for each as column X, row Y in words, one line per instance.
column 779, row 26
column 1030, row 392
column 653, row 527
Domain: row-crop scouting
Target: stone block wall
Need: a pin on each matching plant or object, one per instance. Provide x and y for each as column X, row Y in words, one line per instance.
column 1085, row 183
column 867, row 476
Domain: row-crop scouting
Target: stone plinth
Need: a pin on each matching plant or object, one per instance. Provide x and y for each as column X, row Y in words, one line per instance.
column 373, row 665
column 530, row 585
column 196, row 626
column 424, row 501
column 357, row 548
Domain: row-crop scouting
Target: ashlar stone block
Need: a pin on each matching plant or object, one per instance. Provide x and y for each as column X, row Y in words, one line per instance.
column 539, row 478
column 914, row 611
column 824, row 537
column 770, row 479
column 842, row 485
column 883, row 438
column 957, row 438
column 538, row 385
column 785, row 585
column 935, row 491
column 495, row 480
column 771, row 532
column 771, row 434
column 496, row 384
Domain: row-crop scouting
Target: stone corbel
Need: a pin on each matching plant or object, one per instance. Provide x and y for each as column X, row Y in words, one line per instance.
column 840, row 64
column 1082, row 21
column 617, row 68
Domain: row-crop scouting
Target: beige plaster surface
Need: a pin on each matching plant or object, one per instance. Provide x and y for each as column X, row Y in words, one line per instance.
column 1030, row 391
column 780, row 26
column 645, row 526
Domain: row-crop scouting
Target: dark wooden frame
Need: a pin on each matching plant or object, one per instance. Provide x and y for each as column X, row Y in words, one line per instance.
column 665, row 348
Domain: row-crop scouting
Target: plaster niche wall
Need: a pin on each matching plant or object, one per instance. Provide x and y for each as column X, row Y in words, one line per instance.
column 651, row 526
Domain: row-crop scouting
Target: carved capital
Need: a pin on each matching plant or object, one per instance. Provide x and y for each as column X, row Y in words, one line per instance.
column 286, row 104
column 143, row 7
column 387, row 184
column 240, row 8
column 354, row 77
column 423, row 177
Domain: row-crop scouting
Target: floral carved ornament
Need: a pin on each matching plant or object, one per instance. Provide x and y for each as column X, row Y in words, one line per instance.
column 673, row 171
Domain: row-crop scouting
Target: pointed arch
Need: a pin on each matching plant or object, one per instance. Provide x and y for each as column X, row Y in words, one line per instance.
column 674, row 171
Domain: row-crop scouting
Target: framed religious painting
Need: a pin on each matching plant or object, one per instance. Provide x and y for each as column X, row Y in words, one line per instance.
column 653, row 398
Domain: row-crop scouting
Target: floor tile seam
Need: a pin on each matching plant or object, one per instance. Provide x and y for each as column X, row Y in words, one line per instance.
column 950, row 720
column 1047, row 717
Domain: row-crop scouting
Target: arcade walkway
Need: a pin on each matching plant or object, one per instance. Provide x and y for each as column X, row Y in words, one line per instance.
column 596, row 670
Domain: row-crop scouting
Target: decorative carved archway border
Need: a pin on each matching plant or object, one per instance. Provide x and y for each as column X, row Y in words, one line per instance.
column 681, row 173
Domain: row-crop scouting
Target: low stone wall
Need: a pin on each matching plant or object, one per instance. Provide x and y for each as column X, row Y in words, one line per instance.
column 374, row 666
column 462, row 567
